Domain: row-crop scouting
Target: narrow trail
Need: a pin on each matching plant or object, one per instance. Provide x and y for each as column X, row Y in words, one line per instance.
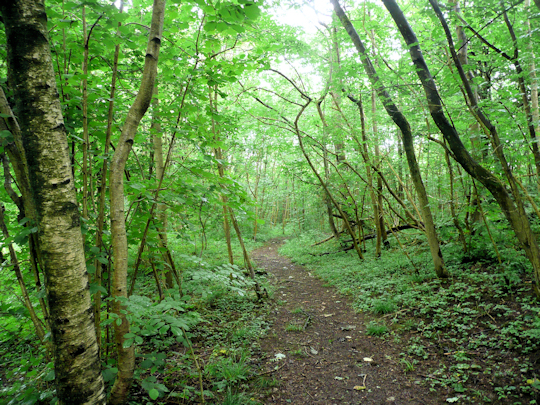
column 328, row 357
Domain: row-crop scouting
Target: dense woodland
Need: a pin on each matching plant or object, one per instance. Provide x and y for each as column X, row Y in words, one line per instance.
column 148, row 148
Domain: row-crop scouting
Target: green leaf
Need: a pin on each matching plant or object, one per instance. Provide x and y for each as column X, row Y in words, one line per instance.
column 24, row 221
column 94, row 288
column 6, row 137
column 103, row 260
column 146, row 363
column 210, row 26
column 22, row 237
column 153, row 394
column 238, row 28
column 252, row 11
column 136, row 186
column 459, row 388
column 109, row 374
column 49, row 376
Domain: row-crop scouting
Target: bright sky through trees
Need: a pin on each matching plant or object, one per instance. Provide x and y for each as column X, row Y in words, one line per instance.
column 306, row 15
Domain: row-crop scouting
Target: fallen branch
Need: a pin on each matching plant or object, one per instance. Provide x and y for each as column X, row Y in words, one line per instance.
column 367, row 237
column 323, row 241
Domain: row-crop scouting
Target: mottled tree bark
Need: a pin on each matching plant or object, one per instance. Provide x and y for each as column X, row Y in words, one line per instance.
column 43, row 137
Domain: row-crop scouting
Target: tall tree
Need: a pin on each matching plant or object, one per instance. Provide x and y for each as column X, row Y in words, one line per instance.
column 407, row 136
column 45, row 148
column 510, row 202
column 126, row 355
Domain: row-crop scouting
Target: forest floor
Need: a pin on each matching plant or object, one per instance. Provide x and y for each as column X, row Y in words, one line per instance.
column 318, row 349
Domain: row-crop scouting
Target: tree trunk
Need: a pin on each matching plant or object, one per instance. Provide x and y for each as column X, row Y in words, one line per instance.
column 380, row 213
column 367, row 162
column 400, row 120
column 247, row 260
column 161, row 217
column 100, row 222
column 380, row 217
column 343, row 215
column 218, row 154
column 327, row 199
column 512, row 208
column 31, row 75
column 126, row 356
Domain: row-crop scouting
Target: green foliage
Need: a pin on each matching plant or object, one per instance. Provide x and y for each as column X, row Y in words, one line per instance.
column 298, row 310
column 292, row 327
column 376, row 329
column 33, row 382
column 25, row 377
column 407, row 365
column 214, row 93
column 238, row 399
column 383, row 306
column 211, row 284
column 480, row 309
column 158, row 323
column 229, row 371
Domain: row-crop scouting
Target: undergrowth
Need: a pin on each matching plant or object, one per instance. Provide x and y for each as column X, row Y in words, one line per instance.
column 476, row 334
column 196, row 345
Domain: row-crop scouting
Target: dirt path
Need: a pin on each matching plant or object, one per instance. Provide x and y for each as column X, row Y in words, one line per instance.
column 329, row 358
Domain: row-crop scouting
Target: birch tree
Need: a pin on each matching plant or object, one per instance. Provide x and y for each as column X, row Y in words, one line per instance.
column 45, row 151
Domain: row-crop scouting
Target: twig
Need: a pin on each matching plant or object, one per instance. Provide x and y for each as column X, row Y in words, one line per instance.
column 306, row 322
column 395, row 313
column 271, row 371
column 199, row 370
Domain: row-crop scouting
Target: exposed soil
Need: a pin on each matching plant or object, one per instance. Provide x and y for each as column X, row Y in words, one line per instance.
column 329, row 358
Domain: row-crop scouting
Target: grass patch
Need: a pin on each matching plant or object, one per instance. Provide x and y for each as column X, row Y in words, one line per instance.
column 383, row 306
column 298, row 310
column 376, row 329
column 408, row 366
column 292, row 327
column 298, row 353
